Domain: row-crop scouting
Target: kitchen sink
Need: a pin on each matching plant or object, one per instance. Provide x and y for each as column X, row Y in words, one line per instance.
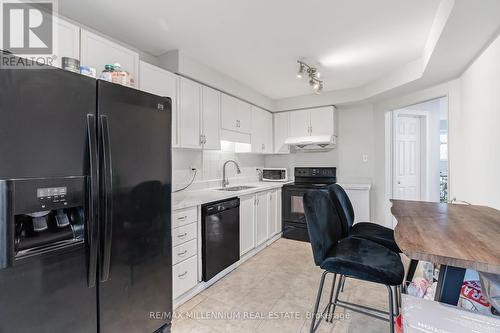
column 235, row 188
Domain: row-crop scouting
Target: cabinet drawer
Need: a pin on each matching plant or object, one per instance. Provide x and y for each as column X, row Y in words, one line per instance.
column 183, row 251
column 184, row 216
column 183, row 234
column 185, row 276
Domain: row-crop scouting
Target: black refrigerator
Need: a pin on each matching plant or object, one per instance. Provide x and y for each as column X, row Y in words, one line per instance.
column 85, row 197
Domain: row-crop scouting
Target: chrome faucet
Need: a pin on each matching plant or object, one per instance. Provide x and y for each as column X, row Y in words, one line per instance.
column 225, row 181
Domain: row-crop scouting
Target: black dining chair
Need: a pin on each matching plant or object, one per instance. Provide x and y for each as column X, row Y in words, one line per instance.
column 365, row 230
column 351, row 257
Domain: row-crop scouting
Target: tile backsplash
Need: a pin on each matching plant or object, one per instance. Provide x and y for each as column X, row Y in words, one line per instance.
column 209, row 166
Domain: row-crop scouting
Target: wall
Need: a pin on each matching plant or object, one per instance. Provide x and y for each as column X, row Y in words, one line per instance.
column 209, row 165
column 180, row 63
column 477, row 164
column 355, row 132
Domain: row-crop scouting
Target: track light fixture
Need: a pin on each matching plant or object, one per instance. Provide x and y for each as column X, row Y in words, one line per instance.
column 313, row 74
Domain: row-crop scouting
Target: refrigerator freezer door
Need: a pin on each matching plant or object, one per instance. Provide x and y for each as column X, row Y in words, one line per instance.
column 135, row 252
column 43, row 133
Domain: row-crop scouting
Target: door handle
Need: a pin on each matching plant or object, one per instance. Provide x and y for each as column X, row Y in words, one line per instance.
column 107, row 195
column 93, row 184
column 183, row 235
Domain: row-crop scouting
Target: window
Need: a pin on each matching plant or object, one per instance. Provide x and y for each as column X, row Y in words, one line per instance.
column 443, row 147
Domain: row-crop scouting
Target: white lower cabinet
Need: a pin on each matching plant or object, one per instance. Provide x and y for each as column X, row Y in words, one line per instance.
column 183, row 234
column 185, row 276
column 184, row 250
column 261, row 217
column 360, row 199
column 247, row 223
column 274, row 214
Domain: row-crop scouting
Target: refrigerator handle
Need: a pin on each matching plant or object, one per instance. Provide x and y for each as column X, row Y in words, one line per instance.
column 92, row 227
column 106, row 199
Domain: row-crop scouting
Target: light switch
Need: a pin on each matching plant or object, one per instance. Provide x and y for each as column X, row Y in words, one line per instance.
column 365, row 158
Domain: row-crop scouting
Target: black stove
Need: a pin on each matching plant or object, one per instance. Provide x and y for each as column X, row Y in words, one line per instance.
column 293, row 218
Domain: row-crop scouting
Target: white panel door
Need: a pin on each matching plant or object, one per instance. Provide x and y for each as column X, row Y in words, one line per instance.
column 299, row 123
column 268, row 135
column 97, row 51
column 273, row 213
column 160, row 82
column 244, row 117
column 281, row 129
column 247, row 223
column 229, row 112
column 235, row 114
column 261, row 131
column 261, row 217
column 210, row 118
column 407, row 157
column 189, row 113
column 322, row 121
column 67, row 41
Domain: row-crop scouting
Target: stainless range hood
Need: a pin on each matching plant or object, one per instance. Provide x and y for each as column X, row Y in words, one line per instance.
column 312, row 143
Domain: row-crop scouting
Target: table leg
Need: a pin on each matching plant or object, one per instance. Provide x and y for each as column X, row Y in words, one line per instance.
column 449, row 284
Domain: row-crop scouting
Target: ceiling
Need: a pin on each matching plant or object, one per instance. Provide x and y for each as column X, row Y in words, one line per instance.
column 258, row 42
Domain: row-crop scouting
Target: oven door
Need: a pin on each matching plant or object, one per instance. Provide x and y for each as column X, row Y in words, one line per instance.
column 293, row 206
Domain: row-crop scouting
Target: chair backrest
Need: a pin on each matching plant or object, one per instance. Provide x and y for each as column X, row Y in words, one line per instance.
column 343, row 206
column 323, row 223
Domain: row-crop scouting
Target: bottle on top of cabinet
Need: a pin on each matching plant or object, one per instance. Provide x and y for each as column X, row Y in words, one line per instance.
column 119, row 76
column 107, row 73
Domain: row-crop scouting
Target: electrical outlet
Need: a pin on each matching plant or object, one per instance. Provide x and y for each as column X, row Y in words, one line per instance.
column 365, row 158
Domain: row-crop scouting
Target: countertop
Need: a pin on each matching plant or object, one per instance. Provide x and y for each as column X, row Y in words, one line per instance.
column 192, row 198
column 456, row 235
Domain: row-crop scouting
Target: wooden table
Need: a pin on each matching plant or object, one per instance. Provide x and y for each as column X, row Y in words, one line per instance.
column 455, row 236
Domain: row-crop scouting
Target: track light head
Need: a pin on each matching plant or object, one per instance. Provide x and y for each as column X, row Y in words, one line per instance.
column 313, row 74
column 302, row 70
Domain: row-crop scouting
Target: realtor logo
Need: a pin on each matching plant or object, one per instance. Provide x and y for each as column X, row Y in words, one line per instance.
column 27, row 27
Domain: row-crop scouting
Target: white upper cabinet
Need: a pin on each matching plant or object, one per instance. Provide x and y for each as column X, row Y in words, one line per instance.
column 300, row 123
column 160, row 82
column 67, row 41
column 97, row 51
column 281, row 132
column 236, row 114
column 189, row 114
column 210, row 118
column 312, row 122
column 262, row 131
column 322, row 121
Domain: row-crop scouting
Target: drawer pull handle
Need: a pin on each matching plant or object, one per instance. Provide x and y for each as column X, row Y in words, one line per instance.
column 183, row 235
column 183, row 275
column 180, row 254
column 180, row 218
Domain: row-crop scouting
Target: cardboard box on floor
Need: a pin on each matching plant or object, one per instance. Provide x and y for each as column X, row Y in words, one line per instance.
column 420, row 315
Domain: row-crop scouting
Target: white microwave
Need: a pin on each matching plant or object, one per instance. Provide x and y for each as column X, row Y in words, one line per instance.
column 274, row 175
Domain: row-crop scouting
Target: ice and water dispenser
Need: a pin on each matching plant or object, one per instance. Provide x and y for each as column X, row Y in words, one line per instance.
column 38, row 215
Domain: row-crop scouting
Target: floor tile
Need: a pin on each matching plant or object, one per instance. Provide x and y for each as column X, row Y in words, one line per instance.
column 275, row 291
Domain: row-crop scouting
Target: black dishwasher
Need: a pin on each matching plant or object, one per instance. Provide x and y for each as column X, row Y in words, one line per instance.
column 220, row 236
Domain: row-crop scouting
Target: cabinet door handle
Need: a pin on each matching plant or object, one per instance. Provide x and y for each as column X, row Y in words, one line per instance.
column 180, row 254
column 183, row 235
column 183, row 275
column 181, row 218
